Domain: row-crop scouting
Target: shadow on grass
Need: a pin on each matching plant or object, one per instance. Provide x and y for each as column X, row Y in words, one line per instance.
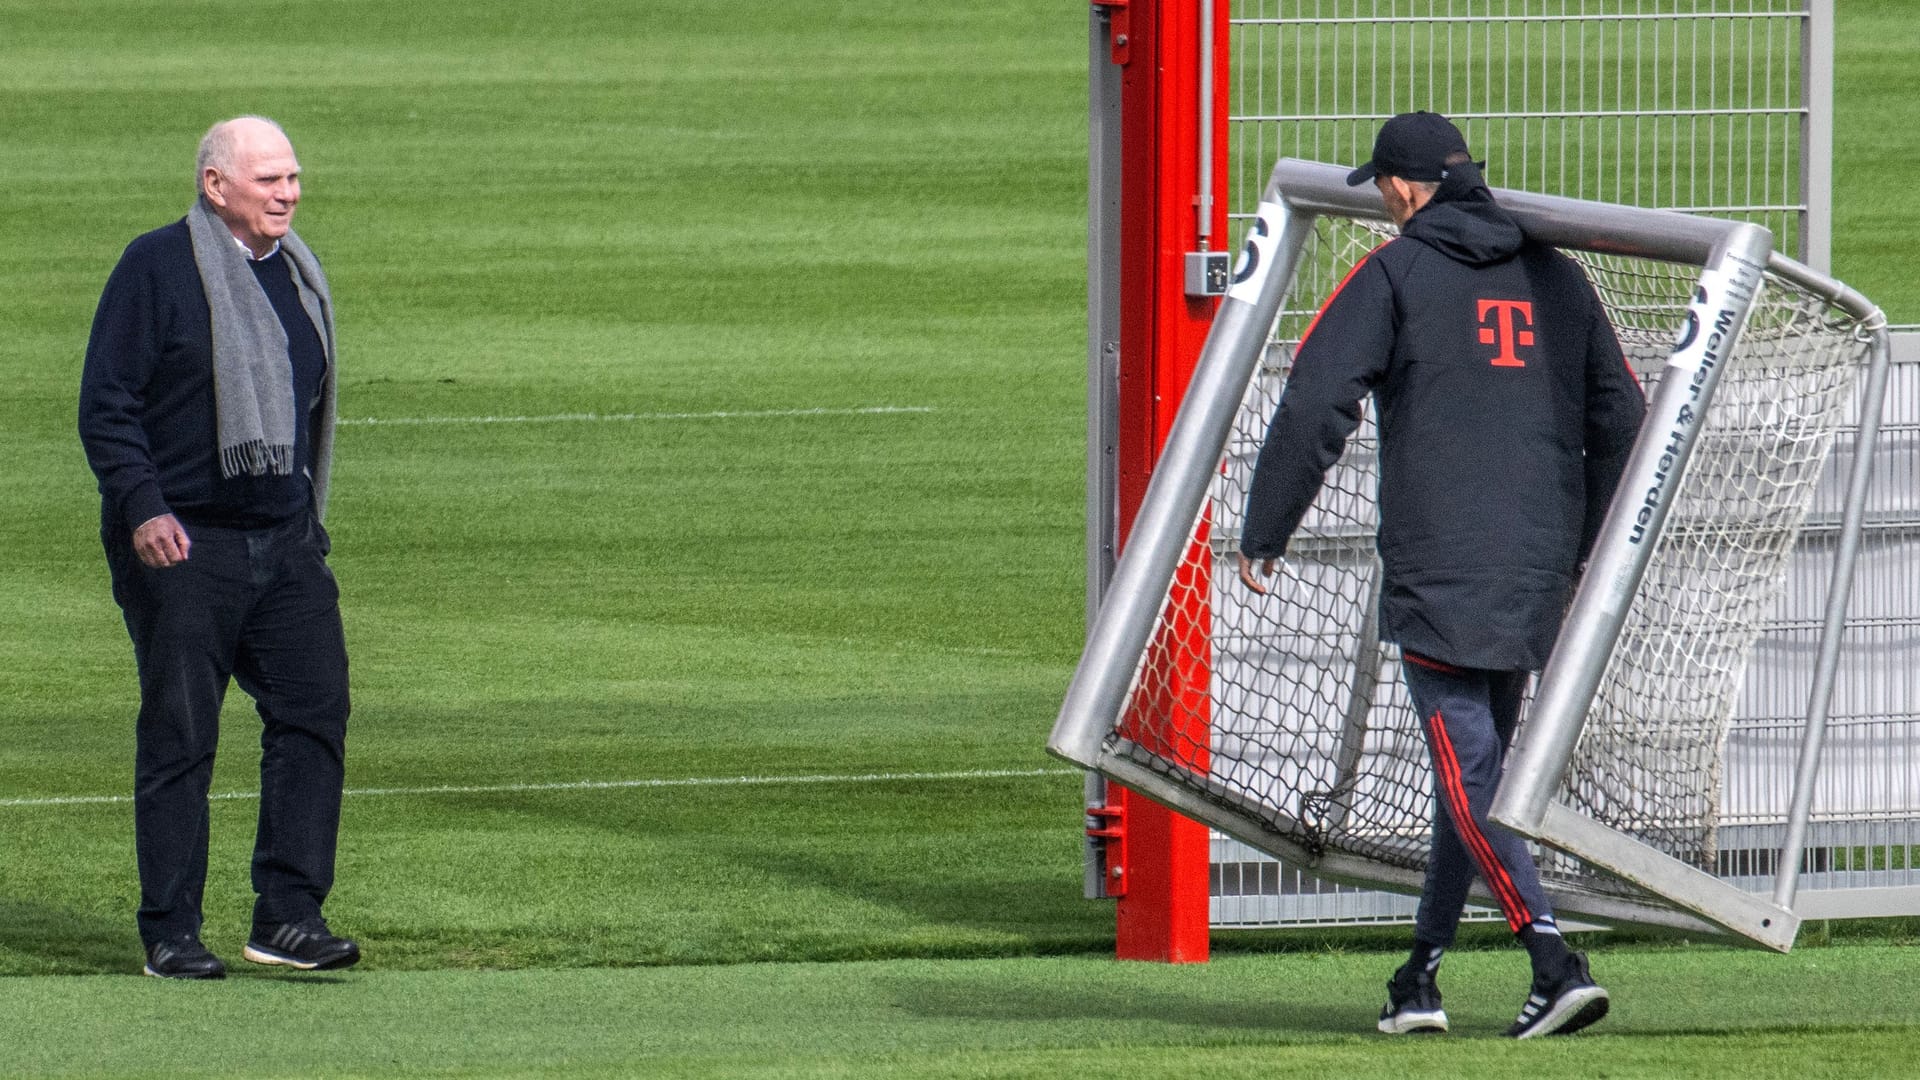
column 286, row 977
column 992, row 1000
column 966, row 870
column 917, row 884
column 43, row 940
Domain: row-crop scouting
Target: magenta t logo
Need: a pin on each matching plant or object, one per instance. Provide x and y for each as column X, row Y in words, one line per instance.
column 1505, row 333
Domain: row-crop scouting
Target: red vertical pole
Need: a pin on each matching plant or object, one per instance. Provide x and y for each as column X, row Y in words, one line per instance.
column 1162, row 889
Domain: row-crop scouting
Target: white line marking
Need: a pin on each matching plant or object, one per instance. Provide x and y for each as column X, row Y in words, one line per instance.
column 589, row 417
column 590, row 785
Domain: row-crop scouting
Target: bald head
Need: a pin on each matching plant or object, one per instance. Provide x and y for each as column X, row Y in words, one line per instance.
column 249, row 177
column 224, row 141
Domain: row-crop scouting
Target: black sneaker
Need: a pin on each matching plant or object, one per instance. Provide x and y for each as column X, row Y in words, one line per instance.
column 307, row 945
column 183, row 957
column 1562, row 1007
column 1413, row 1004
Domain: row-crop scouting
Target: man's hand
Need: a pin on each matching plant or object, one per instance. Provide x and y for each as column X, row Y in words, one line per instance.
column 1247, row 572
column 161, row 542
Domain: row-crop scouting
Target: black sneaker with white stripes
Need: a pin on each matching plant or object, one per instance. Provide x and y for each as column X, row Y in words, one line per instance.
column 307, row 945
column 183, row 957
column 1564, row 1006
column 1413, row 1003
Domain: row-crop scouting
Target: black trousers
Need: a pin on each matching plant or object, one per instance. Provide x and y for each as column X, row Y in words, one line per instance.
column 1469, row 716
column 257, row 606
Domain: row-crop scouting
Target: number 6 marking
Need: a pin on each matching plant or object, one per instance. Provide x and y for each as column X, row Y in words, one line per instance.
column 1250, row 252
column 1256, row 255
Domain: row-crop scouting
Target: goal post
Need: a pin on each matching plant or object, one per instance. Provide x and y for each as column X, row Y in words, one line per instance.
column 1676, row 417
column 1310, row 755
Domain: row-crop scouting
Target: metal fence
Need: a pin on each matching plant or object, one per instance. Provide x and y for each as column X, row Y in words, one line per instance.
column 1721, row 107
column 1710, row 106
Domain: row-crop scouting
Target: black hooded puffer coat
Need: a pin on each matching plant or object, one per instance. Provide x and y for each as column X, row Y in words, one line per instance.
column 1506, row 413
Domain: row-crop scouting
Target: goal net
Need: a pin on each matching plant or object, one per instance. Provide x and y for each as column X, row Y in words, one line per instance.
column 1282, row 720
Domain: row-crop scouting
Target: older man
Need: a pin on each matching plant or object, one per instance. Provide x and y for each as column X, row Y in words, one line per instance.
column 206, row 411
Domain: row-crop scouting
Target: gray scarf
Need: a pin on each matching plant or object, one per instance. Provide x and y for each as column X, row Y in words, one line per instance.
column 252, row 375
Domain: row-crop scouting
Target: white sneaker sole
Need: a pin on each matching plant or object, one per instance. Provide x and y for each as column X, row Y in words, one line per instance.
column 1574, row 1010
column 267, row 956
column 147, row 969
column 1414, row 1023
column 262, row 956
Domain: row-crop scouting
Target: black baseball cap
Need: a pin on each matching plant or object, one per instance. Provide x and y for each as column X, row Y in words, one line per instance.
column 1412, row 146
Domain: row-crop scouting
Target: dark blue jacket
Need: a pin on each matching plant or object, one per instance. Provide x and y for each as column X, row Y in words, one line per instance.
column 1506, row 414
column 147, row 417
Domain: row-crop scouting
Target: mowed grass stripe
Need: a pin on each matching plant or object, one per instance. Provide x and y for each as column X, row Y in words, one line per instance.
column 701, row 217
column 593, row 417
column 1707, row 1013
column 534, row 212
column 592, row 785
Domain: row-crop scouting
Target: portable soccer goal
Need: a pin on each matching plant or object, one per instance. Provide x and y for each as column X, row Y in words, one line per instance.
column 1281, row 720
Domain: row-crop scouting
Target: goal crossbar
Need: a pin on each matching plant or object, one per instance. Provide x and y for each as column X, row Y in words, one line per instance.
column 1735, row 263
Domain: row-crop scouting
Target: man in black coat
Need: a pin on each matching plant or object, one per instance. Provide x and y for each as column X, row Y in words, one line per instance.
column 1506, row 413
column 206, row 412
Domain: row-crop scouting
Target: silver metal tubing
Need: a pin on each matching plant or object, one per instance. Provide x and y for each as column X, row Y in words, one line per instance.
column 1334, row 866
column 1103, row 300
column 1103, row 355
column 1735, row 257
column 1819, row 698
column 1163, row 529
column 1652, row 234
column 1397, row 19
column 1646, row 493
column 1595, row 113
column 1816, row 134
column 1203, row 188
column 1837, row 293
column 1360, row 697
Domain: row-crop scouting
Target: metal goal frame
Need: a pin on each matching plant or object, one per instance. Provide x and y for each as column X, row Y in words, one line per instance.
column 1734, row 256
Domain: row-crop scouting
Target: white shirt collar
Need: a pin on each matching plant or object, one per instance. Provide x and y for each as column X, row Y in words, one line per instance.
column 248, row 252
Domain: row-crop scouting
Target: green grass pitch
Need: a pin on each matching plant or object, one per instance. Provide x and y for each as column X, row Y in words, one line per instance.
column 816, row 269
